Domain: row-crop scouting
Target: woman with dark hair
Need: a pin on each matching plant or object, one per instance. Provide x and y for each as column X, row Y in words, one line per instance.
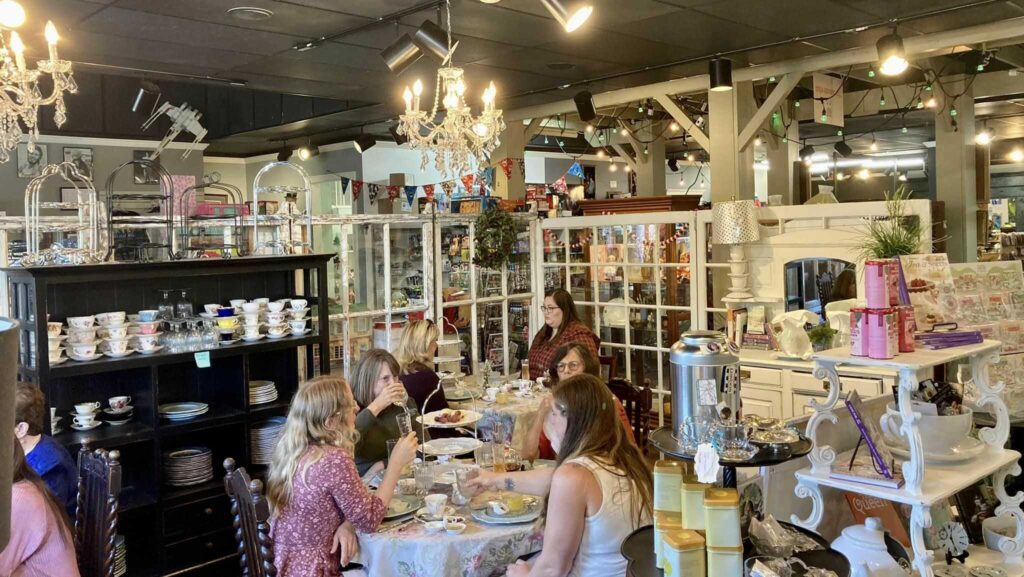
column 601, row 489
column 569, row 361
column 381, row 398
column 562, row 326
column 41, row 544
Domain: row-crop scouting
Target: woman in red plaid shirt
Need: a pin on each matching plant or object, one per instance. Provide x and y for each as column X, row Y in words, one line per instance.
column 562, row 326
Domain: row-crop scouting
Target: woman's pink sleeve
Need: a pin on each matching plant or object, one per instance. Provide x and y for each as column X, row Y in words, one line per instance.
column 359, row 507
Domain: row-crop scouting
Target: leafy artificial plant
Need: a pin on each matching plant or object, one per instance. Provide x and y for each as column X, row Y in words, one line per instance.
column 821, row 336
column 893, row 235
column 495, row 238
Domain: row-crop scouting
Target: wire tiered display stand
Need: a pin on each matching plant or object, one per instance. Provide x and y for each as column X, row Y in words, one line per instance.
column 87, row 226
column 282, row 244
column 127, row 245
column 924, row 485
column 193, row 234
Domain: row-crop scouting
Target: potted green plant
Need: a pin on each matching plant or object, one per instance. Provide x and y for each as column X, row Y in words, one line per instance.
column 821, row 336
column 495, row 238
column 895, row 234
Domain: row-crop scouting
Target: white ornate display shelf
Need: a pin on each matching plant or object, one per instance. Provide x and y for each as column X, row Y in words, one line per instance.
column 923, row 487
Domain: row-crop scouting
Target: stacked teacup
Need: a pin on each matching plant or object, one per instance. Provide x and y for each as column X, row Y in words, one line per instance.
column 251, row 321
column 114, row 334
column 82, row 338
column 84, row 416
column 145, row 331
column 277, row 322
column 55, row 340
column 297, row 314
column 120, row 411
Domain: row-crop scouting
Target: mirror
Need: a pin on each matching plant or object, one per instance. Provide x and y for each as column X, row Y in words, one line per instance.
column 811, row 283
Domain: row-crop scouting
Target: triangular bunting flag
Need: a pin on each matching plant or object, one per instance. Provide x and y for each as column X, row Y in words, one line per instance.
column 576, row 170
column 392, row 191
column 428, row 190
column 467, row 181
column 448, row 186
column 357, row 189
column 374, row 190
column 559, row 186
column 344, row 184
column 506, row 167
column 410, row 194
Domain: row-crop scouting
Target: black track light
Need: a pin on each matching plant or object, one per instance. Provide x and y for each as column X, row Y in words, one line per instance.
column 807, row 152
column 401, row 54
column 673, row 165
column 432, row 39
column 892, row 58
column 844, row 149
column 309, row 151
column 284, row 154
column 720, row 71
column 585, row 105
column 364, row 142
column 400, row 139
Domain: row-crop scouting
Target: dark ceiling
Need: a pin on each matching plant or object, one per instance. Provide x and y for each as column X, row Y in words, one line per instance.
column 514, row 42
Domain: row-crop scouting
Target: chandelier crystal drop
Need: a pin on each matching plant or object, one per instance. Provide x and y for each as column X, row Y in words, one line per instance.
column 20, row 95
column 459, row 138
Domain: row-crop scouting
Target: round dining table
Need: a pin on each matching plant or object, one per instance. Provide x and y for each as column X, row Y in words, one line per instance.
column 408, row 550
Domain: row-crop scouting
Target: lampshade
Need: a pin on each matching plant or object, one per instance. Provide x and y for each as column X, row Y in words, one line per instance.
column 735, row 222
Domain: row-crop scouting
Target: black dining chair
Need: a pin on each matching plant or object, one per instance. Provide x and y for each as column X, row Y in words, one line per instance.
column 99, row 484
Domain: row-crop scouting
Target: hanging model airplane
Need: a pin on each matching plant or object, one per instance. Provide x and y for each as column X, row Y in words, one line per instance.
column 183, row 117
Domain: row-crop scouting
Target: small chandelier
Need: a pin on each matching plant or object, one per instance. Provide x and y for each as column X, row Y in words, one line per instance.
column 459, row 136
column 20, row 96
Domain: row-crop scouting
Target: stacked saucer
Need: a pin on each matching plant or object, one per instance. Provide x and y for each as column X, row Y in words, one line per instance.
column 188, row 466
column 120, row 566
column 264, row 438
column 118, row 416
column 262, row 392
column 183, row 411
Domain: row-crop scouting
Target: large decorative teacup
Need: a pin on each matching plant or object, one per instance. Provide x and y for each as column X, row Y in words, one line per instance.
column 938, row 432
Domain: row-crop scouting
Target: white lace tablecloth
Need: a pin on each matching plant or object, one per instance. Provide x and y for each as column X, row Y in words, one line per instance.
column 482, row 550
column 517, row 415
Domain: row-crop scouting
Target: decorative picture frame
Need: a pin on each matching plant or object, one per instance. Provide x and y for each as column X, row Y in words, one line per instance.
column 30, row 164
column 82, row 158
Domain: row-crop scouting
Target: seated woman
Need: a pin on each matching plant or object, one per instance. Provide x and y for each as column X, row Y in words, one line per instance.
column 41, row 544
column 48, row 458
column 415, row 355
column 601, row 489
column 562, row 326
column 316, row 495
column 570, row 360
column 378, row 391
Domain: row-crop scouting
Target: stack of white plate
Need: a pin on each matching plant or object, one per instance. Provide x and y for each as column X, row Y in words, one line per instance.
column 183, row 411
column 262, row 392
column 120, row 567
column 264, row 439
column 188, row 466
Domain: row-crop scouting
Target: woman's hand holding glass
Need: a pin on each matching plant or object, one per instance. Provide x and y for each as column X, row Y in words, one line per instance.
column 392, row 394
column 404, row 452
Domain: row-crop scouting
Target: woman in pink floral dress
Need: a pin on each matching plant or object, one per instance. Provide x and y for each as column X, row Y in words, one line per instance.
column 315, row 493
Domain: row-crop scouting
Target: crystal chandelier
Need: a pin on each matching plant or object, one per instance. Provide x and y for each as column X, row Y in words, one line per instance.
column 20, row 96
column 459, row 136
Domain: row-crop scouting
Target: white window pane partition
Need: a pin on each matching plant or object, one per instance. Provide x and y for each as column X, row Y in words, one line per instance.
column 631, row 278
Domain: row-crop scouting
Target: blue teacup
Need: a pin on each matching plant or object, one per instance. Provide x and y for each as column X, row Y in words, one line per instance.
column 147, row 316
column 225, row 311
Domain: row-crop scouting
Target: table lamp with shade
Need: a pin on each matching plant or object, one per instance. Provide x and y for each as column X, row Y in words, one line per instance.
column 735, row 223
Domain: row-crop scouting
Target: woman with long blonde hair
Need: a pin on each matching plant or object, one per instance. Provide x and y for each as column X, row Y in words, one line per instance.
column 601, row 489
column 316, row 494
column 415, row 354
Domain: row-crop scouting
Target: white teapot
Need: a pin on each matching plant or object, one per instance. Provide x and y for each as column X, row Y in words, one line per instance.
column 864, row 546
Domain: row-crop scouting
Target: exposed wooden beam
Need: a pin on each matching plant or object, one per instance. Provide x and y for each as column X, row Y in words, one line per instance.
column 534, row 128
column 779, row 93
column 625, row 154
column 683, row 119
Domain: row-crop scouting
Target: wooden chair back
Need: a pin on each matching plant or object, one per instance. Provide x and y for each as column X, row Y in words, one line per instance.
column 99, row 484
column 637, row 402
column 825, row 282
column 251, row 513
column 608, row 361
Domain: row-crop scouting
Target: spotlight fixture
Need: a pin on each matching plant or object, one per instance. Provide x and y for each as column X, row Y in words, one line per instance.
column 571, row 14
column 284, row 154
column 673, row 165
column 308, row 151
column 149, row 92
column 720, row 71
column 892, row 57
column 1016, row 155
column 364, row 142
column 401, row 54
column 843, row 149
column 432, row 39
column 984, row 137
column 585, row 105
column 807, row 151
column 400, row 139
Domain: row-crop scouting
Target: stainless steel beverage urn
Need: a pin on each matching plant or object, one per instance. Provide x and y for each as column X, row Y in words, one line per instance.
column 705, row 376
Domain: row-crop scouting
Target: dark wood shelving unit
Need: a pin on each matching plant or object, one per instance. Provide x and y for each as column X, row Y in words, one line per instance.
column 184, row 531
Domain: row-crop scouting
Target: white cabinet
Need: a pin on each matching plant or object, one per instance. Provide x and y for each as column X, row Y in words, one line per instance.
column 800, row 403
column 763, row 402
